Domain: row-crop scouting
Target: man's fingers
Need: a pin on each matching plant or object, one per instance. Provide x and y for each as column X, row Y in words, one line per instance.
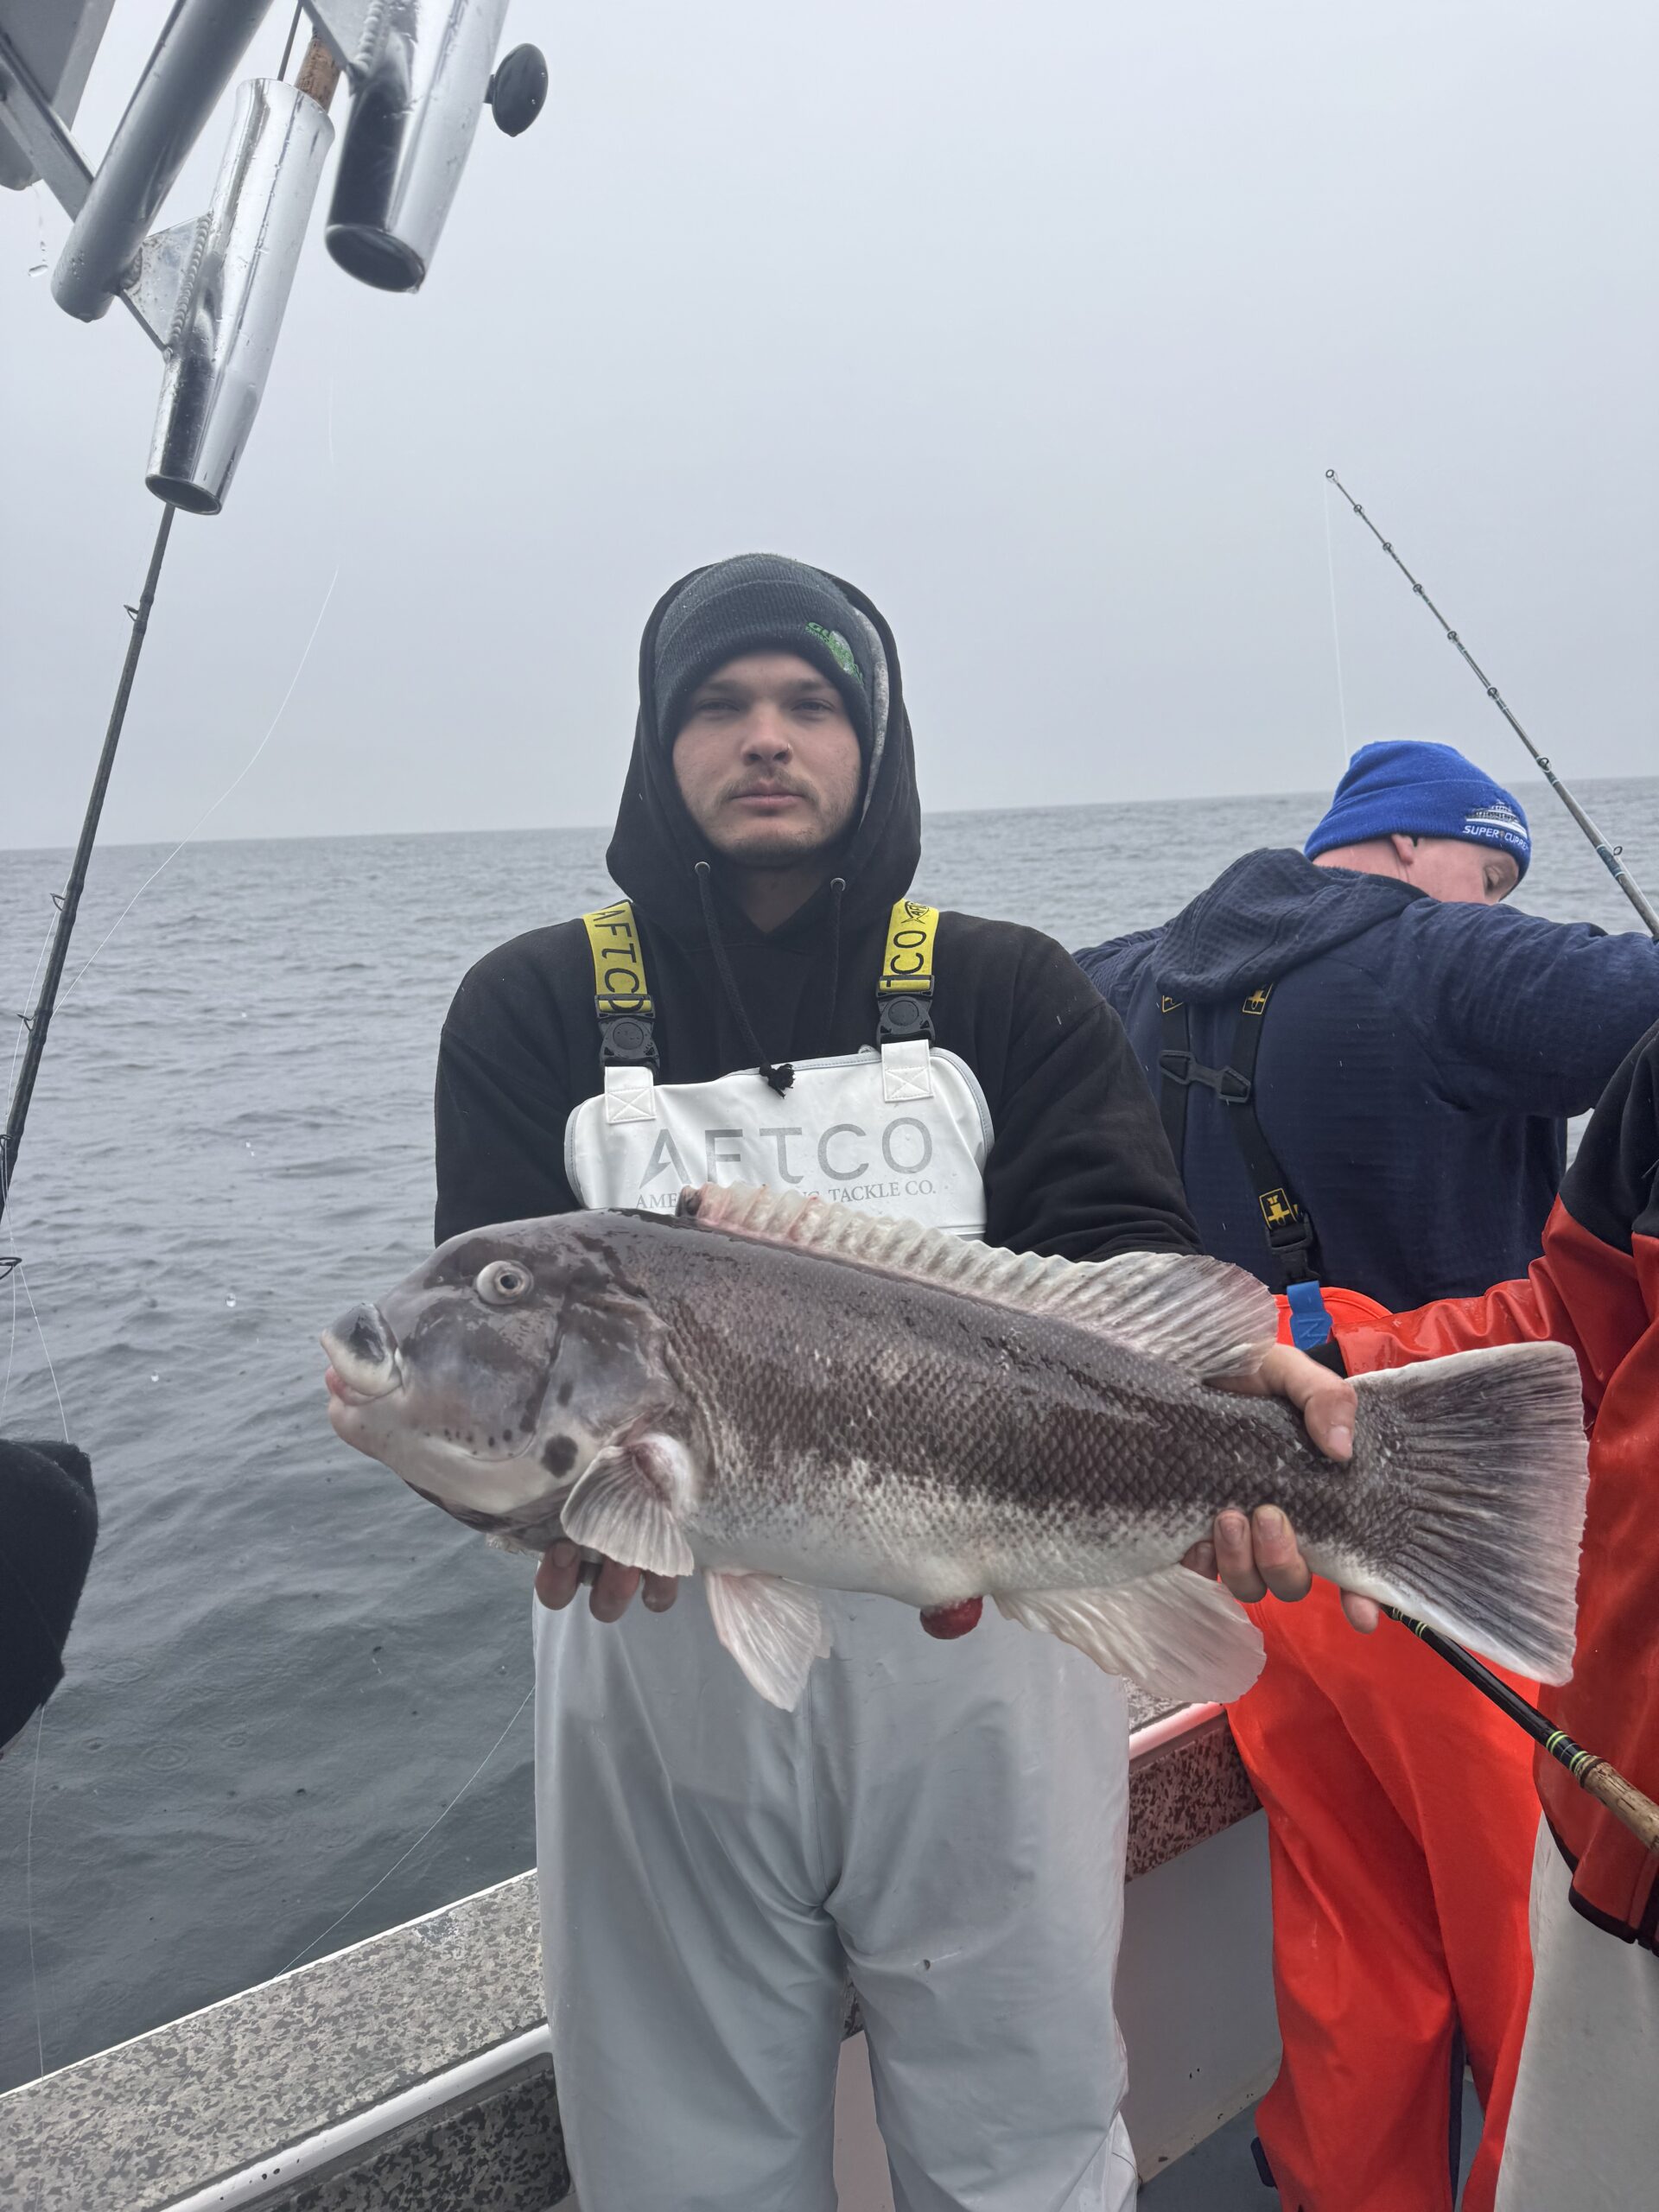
column 1330, row 1418
column 612, row 1590
column 559, row 1576
column 1363, row 1613
column 563, row 1571
column 1278, row 1555
column 1258, row 1555
column 1235, row 1557
column 1202, row 1560
column 1327, row 1402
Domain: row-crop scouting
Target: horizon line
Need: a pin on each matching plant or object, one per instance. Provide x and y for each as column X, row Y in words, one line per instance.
column 574, row 829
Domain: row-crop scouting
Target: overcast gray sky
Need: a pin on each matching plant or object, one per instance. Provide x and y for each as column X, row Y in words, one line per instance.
column 1040, row 321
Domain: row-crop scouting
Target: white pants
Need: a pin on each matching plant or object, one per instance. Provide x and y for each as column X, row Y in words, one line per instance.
column 944, row 1823
column 1584, row 2128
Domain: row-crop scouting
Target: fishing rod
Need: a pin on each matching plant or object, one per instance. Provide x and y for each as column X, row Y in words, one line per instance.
column 1604, row 1783
column 318, row 76
column 68, row 900
column 1609, row 856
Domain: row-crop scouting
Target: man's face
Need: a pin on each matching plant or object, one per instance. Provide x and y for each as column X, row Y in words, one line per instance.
column 1459, row 870
column 767, row 761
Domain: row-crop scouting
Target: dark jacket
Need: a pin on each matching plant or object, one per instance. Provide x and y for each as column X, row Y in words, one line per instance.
column 1416, row 1061
column 1078, row 1164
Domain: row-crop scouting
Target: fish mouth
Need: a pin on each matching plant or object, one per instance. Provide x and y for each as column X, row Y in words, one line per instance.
column 365, row 1363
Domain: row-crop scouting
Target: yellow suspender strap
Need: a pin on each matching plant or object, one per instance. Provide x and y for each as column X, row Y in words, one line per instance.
column 905, row 994
column 620, row 984
column 909, row 963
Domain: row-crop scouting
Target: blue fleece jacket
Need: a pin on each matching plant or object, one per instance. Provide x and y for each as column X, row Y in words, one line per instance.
column 1417, row 1062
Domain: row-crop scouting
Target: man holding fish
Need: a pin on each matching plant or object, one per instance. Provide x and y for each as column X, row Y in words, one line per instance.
column 795, row 1397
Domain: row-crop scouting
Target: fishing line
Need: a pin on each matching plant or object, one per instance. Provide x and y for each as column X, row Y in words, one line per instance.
column 29, row 1893
column 11, row 1349
column 1609, row 856
column 191, row 833
column 287, row 50
column 419, row 1840
column 1336, row 626
column 24, row 1025
column 21, row 1274
column 10, row 1262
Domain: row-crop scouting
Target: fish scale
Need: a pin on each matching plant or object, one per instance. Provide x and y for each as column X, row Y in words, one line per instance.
column 1022, row 1428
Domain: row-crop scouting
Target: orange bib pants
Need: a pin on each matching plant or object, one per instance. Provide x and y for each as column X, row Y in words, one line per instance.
column 1400, row 1820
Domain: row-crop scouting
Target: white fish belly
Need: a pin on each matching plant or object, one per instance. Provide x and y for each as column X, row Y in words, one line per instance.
column 896, row 1537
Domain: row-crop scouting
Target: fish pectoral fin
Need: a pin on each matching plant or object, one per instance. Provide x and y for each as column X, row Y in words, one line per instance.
column 627, row 1503
column 773, row 1629
column 1174, row 1632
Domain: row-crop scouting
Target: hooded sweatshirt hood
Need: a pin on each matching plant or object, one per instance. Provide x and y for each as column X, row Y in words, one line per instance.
column 1270, row 912
column 655, row 847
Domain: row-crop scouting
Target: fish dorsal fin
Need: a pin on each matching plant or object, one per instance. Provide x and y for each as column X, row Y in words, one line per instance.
column 1199, row 1314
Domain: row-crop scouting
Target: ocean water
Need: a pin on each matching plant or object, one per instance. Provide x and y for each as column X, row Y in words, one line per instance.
column 286, row 1667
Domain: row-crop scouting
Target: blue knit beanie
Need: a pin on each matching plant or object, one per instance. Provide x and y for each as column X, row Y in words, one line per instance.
column 1411, row 787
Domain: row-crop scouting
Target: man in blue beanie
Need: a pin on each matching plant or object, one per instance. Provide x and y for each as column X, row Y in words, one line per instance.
column 1364, row 1063
column 1411, row 1074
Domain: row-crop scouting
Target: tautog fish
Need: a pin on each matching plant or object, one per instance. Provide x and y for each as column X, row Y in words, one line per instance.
column 779, row 1393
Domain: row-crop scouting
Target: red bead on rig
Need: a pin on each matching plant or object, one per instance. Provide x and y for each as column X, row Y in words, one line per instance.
column 948, row 1621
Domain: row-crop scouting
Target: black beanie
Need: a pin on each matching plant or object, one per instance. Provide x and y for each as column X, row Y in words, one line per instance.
column 761, row 602
column 48, row 1523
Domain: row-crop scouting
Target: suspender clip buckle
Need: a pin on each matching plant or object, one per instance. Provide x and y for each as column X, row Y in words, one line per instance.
column 904, row 1015
column 1232, row 1088
column 625, row 1040
column 1290, row 1236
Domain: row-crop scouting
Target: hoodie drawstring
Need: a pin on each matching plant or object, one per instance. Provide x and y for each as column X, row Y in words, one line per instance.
column 837, row 892
column 781, row 1074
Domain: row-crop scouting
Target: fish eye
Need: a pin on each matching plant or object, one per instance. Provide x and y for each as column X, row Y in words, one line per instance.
column 503, row 1283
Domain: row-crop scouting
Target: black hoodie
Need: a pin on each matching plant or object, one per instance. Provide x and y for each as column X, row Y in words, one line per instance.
column 1416, row 1061
column 1078, row 1164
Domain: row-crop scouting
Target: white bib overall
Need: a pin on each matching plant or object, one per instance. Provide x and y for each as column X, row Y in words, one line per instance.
column 942, row 1823
column 904, row 1132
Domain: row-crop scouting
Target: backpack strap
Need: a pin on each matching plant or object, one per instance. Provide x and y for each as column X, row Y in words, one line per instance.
column 904, row 996
column 622, row 1002
column 1285, row 1223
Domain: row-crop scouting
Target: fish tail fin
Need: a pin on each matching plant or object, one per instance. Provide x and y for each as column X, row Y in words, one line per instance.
column 1485, row 1501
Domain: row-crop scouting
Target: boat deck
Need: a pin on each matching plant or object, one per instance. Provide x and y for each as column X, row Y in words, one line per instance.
column 1220, row 2176
column 413, row 2068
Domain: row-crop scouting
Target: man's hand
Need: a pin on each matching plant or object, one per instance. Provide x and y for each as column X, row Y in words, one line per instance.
column 1259, row 1556
column 562, row 1572
column 1327, row 1402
